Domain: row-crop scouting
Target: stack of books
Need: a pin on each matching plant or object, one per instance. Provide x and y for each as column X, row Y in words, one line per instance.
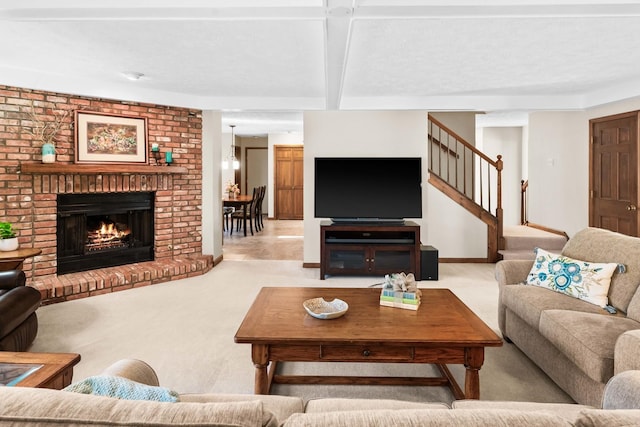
column 400, row 299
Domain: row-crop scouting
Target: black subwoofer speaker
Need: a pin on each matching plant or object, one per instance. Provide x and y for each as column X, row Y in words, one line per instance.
column 428, row 263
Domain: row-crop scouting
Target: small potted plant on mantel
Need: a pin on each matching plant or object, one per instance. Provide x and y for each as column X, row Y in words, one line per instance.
column 8, row 239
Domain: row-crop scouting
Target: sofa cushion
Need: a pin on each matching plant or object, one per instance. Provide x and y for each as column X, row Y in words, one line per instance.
column 599, row 245
column 528, row 302
column 584, row 280
column 280, row 406
column 44, row 407
column 337, row 404
column 425, row 418
column 568, row 411
column 609, row 418
column 587, row 339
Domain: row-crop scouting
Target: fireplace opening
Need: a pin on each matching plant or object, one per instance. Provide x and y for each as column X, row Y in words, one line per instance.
column 104, row 233
column 104, row 230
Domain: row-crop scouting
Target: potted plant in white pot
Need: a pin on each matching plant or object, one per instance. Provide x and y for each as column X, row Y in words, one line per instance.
column 8, row 239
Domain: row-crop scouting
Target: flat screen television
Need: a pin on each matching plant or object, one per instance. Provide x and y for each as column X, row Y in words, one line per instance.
column 368, row 189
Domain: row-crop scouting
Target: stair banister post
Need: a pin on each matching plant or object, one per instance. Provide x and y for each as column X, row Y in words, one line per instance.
column 499, row 165
column 499, row 212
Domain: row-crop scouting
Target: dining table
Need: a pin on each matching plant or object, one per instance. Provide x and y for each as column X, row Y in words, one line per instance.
column 240, row 201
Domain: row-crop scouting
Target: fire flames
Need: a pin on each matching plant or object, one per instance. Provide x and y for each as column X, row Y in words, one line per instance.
column 107, row 235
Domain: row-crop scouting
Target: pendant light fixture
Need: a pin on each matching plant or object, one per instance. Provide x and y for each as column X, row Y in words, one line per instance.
column 232, row 155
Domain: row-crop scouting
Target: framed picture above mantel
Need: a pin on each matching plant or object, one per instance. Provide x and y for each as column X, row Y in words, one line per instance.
column 110, row 138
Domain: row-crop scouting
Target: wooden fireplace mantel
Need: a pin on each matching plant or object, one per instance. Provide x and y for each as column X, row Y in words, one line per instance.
column 98, row 169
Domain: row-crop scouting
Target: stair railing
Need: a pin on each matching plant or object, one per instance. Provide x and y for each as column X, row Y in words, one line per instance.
column 475, row 178
column 524, row 185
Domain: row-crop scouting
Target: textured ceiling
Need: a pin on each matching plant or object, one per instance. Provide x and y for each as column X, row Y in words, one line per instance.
column 277, row 58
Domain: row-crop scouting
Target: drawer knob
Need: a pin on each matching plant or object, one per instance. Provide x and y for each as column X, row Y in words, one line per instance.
column 366, row 353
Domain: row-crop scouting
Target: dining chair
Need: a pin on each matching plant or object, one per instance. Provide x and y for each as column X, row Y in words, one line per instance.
column 226, row 212
column 258, row 208
column 264, row 192
column 238, row 215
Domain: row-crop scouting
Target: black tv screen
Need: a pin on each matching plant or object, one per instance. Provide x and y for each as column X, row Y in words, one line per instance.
column 368, row 189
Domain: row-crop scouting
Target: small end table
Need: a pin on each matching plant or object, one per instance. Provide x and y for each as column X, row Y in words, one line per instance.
column 56, row 371
column 12, row 260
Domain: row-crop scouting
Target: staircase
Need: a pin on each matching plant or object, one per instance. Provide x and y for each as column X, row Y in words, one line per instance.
column 468, row 177
column 520, row 241
column 473, row 180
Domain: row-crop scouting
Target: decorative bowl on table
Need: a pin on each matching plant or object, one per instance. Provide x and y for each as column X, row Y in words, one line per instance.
column 322, row 309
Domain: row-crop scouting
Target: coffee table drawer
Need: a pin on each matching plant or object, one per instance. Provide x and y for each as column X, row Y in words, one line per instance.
column 365, row 353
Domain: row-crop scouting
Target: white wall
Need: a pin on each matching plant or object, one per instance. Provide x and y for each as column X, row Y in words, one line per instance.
column 559, row 165
column 445, row 225
column 211, row 183
column 352, row 134
column 452, row 230
column 462, row 123
column 558, row 189
column 506, row 141
column 559, row 170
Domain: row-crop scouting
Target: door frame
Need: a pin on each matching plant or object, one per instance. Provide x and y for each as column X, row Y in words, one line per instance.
column 276, row 147
column 592, row 123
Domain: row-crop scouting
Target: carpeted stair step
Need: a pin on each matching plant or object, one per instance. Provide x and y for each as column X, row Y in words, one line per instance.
column 520, row 242
column 519, row 254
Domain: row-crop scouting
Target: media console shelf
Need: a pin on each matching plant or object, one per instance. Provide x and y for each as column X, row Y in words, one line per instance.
column 369, row 249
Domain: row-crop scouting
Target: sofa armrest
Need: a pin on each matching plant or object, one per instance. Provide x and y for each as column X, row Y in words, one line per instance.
column 509, row 272
column 12, row 279
column 622, row 391
column 512, row 271
column 626, row 352
column 134, row 370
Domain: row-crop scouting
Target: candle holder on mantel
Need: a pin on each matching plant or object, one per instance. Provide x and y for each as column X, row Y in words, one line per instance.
column 156, row 156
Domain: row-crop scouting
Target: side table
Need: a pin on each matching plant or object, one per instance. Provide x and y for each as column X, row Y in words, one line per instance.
column 12, row 260
column 56, row 371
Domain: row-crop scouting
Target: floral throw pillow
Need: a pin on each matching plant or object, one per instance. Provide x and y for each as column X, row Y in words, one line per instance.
column 588, row 281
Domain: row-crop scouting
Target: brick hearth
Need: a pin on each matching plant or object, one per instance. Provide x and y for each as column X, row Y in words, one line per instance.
column 28, row 194
column 105, row 280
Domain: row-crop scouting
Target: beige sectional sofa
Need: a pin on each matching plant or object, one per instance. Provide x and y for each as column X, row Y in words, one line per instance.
column 578, row 344
column 43, row 407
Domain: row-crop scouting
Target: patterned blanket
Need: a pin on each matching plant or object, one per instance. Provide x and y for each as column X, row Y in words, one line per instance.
column 122, row 388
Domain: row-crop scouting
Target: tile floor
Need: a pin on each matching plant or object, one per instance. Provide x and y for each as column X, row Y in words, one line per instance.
column 278, row 240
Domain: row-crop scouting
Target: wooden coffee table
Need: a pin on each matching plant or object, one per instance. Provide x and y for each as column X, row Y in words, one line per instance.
column 56, row 371
column 442, row 331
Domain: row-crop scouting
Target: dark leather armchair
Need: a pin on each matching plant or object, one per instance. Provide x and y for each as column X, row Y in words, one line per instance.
column 18, row 304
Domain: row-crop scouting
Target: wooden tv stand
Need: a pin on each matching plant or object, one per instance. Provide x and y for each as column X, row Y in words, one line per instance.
column 369, row 249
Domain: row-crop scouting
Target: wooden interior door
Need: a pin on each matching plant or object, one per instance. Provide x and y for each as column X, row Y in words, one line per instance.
column 613, row 178
column 289, row 180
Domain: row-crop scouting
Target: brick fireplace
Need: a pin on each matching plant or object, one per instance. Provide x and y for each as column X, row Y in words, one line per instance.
column 29, row 192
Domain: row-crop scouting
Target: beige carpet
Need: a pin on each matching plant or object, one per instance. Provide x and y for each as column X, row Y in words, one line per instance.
column 185, row 330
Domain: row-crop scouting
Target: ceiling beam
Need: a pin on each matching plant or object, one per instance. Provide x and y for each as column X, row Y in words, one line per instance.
column 333, row 9
column 337, row 34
